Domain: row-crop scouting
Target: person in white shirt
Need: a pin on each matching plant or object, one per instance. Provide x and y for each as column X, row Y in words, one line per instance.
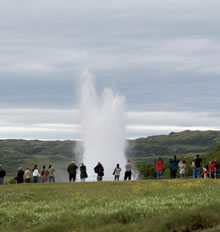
column 35, row 173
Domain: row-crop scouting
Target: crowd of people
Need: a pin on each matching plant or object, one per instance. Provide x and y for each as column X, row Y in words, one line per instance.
column 210, row 170
column 99, row 170
column 48, row 174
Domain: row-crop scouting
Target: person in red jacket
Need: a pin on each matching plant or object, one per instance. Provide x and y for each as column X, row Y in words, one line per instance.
column 212, row 169
column 216, row 168
column 159, row 167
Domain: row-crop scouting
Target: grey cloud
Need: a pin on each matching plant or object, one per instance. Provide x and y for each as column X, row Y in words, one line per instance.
column 19, row 91
column 162, row 55
column 49, row 36
column 65, row 124
column 154, row 91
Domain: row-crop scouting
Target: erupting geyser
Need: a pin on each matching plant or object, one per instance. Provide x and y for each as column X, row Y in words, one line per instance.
column 103, row 128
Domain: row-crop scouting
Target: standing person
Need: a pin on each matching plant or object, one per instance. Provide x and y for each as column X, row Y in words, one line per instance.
column 83, row 173
column 72, row 171
column 216, row 168
column 99, row 169
column 196, row 168
column 35, row 173
column 173, row 167
column 44, row 174
column 159, row 167
column 117, row 172
column 51, row 176
column 2, row 174
column 20, row 176
column 182, row 166
column 27, row 176
column 212, row 169
column 128, row 168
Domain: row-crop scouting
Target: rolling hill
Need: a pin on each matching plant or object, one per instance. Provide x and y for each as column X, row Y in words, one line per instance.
column 25, row 153
column 182, row 143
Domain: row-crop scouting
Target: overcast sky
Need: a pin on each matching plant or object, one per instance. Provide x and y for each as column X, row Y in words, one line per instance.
column 162, row 55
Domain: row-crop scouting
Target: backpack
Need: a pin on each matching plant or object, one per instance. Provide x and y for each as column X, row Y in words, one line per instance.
column 193, row 165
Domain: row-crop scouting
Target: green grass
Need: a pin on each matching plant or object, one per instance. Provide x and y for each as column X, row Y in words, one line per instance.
column 168, row 205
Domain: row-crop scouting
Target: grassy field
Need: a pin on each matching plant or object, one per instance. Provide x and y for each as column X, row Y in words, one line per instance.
column 167, row 205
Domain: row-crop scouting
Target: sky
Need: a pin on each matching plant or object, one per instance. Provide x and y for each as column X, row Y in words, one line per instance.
column 162, row 55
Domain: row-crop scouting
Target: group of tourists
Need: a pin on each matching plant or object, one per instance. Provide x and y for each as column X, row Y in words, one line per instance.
column 208, row 171
column 25, row 176
column 99, row 170
column 48, row 174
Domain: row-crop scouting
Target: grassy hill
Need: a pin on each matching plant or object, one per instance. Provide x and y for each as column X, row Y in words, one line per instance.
column 183, row 143
column 26, row 153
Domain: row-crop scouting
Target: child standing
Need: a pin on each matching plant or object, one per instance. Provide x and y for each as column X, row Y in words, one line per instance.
column 182, row 166
column 205, row 172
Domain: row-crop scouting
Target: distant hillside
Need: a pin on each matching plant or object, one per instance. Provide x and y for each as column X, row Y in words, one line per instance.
column 25, row 153
column 186, row 142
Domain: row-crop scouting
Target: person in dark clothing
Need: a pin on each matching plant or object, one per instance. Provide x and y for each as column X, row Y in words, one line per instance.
column 20, row 176
column 173, row 167
column 100, row 171
column 2, row 174
column 83, row 173
column 196, row 169
column 128, row 171
column 72, row 171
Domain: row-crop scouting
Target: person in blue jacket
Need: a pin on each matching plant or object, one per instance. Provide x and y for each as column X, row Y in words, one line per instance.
column 173, row 167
